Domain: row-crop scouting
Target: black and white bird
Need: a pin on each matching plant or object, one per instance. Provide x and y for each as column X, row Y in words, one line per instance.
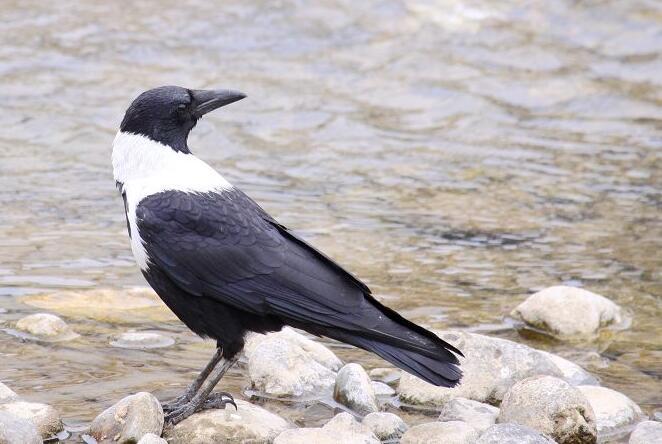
column 225, row 267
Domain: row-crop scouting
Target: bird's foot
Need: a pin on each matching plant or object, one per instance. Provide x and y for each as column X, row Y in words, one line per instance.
column 184, row 410
column 175, row 404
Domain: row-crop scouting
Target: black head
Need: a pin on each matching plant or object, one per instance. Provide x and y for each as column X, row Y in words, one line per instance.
column 167, row 114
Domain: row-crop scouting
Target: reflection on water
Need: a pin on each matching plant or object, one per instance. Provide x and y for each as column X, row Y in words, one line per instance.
column 455, row 155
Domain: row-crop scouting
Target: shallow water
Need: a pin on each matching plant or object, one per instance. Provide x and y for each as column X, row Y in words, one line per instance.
column 457, row 156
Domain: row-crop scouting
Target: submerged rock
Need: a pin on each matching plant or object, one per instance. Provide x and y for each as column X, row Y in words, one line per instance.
column 551, row 406
column 129, row 420
column 151, row 438
column 287, row 364
column 44, row 417
column 490, row 367
column 46, row 326
column 451, row 432
column 615, row 413
column 385, row 426
column 249, row 423
column 477, row 414
column 17, row 430
column 567, row 311
column 354, row 389
column 511, row 433
column 342, row 428
column 647, row 432
column 7, row 394
column 142, row 340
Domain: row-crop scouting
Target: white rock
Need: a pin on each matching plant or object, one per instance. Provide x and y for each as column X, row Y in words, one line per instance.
column 354, row 389
column 46, row 326
column 45, row 418
column 151, row 438
column 7, row 394
column 387, row 375
column 17, row 430
column 551, row 406
column 511, row 433
column 249, row 423
column 129, row 420
column 287, row 364
column 647, row 432
column 477, row 414
column 490, row 367
column 615, row 413
column 451, row 432
column 567, row 311
column 385, row 425
column 382, row 389
column 142, row 340
column 342, row 428
column 572, row 373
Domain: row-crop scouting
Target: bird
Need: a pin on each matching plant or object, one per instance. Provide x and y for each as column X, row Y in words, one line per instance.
column 226, row 268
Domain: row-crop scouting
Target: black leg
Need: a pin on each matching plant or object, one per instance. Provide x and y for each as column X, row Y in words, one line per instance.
column 198, row 401
column 192, row 389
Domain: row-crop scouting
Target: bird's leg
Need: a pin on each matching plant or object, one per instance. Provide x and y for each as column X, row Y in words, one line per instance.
column 198, row 402
column 192, row 389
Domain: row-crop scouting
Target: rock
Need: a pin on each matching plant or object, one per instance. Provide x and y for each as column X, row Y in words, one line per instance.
column 249, row 423
column 480, row 416
column 17, row 430
column 142, row 340
column 551, row 406
column 132, row 305
column 615, row 413
column 151, row 438
column 647, row 432
column 490, row 367
column 7, row 394
column 287, row 364
column 46, row 326
column 354, row 389
column 387, row 375
column 385, row 426
column 44, row 417
column 451, row 432
column 572, row 373
column 129, row 420
column 511, row 433
column 382, row 389
column 566, row 311
column 342, row 428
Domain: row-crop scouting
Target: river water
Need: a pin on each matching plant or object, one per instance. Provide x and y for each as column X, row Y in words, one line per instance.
column 456, row 155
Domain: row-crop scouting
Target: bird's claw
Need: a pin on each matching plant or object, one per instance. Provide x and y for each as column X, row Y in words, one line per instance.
column 219, row 401
column 177, row 411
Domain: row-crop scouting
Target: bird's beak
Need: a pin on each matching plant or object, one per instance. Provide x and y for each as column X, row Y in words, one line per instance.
column 208, row 100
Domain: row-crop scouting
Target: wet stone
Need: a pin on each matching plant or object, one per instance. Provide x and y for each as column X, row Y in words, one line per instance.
column 44, row 417
column 46, row 326
column 129, row 420
column 451, row 432
column 382, row 389
column 354, row 389
column 142, row 340
column 615, row 413
column 387, row 375
column 386, row 426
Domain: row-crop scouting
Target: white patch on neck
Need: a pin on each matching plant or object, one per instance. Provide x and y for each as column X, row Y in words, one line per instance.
column 146, row 167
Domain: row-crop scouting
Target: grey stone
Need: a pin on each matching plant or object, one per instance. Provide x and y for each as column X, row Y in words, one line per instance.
column 551, row 406
column 568, row 311
column 151, row 438
column 451, row 432
column 385, row 426
column 7, row 394
column 647, row 432
column 129, row 420
column 615, row 413
column 354, row 389
column 490, row 367
column 45, row 418
column 17, row 430
column 342, row 428
column 382, row 389
column 479, row 415
column 46, row 326
column 387, row 375
column 249, row 423
column 287, row 364
column 511, row 433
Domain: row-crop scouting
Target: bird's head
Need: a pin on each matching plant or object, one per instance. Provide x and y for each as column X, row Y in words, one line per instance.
column 168, row 113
